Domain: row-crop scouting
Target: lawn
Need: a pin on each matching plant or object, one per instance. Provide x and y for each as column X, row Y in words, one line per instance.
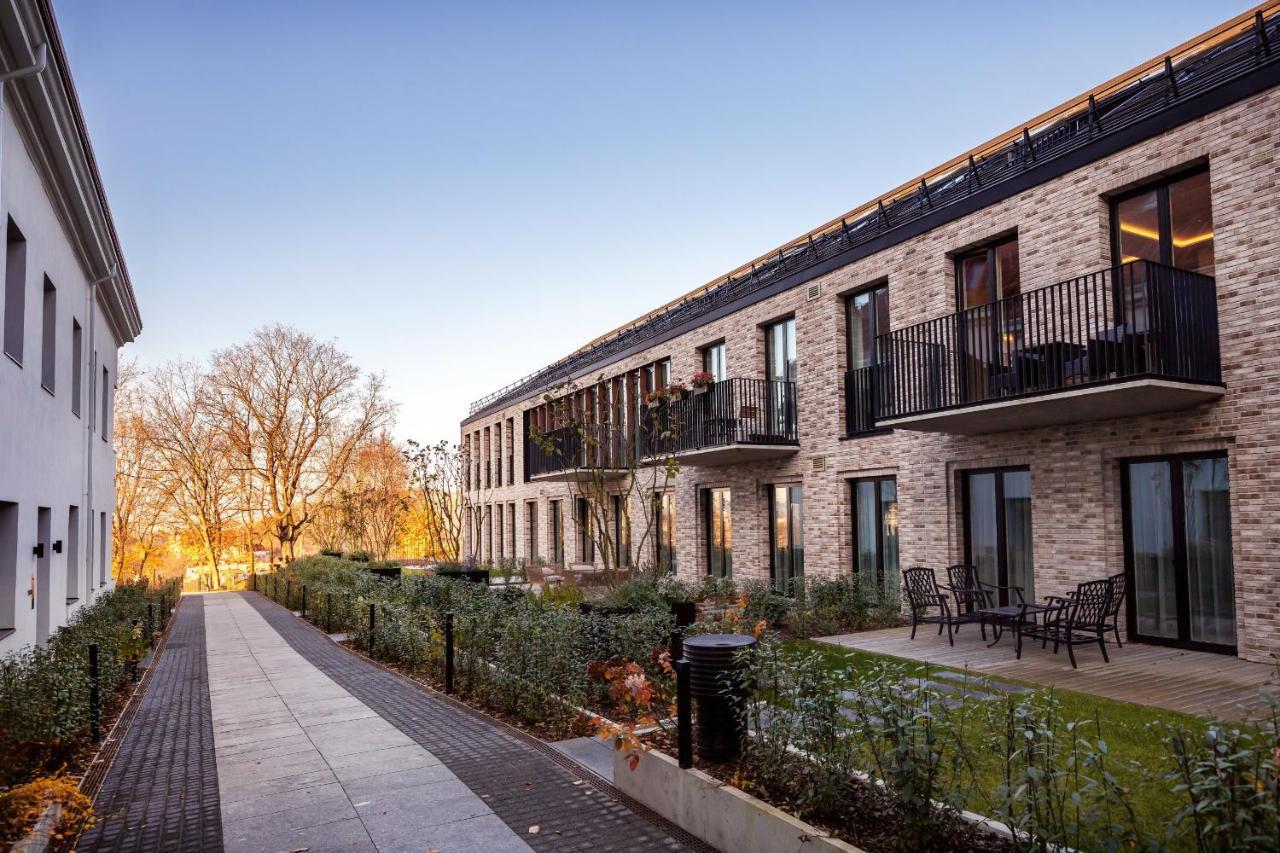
column 1138, row 759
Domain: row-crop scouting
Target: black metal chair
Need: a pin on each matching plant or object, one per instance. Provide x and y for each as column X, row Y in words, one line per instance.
column 970, row 596
column 923, row 595
column 1119, row 588
column 1079, row 619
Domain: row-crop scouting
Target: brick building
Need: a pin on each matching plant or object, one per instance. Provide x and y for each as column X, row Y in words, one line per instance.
column 1055, row 357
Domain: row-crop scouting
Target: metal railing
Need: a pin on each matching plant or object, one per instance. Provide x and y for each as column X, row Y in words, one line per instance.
column 573, row 448
column 733, row 411
column 860, row 386
column 1137, row 319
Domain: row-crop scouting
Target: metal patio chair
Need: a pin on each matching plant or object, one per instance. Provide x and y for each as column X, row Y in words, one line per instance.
column 923, row 595
column 1078, row 619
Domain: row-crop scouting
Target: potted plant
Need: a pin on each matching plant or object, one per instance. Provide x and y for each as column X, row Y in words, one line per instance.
column 701, row 381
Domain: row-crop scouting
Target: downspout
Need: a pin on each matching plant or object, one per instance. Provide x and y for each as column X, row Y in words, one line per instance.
column 91, row 387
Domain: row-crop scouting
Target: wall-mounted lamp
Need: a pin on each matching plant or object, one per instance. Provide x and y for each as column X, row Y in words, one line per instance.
column 38, row 550
column 57, row 546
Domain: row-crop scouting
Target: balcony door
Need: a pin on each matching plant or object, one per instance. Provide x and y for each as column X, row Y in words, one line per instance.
column 875, row 530
column 780, row 369
column 867, row 320
column 998, row 530
column 719, row 515
column 786, row 537
column 664, row 505
column 989, row 325
column 1178, row 551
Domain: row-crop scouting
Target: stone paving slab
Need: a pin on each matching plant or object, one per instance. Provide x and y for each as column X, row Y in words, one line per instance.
column 303, row 764
column 520, row 784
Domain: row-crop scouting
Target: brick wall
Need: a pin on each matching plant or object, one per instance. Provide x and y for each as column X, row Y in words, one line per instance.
column 1062, row 228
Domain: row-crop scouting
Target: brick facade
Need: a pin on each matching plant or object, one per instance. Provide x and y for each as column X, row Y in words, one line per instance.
column 1062, row 228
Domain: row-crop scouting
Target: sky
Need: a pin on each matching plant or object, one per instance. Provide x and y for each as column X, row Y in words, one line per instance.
column 460, row 194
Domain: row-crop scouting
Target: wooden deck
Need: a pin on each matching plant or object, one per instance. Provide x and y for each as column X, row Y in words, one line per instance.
column 1176, row 679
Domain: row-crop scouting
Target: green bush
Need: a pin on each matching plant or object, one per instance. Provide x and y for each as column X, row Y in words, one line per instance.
column 44, row 691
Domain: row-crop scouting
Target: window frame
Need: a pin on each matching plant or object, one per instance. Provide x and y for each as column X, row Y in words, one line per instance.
column 1161, row 186
column 878, row 482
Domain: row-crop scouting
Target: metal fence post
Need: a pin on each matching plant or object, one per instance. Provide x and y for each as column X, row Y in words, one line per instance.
column 304, row 601
column 95, row 707
column 684, row 715
column 448, row 653
column 373, row 624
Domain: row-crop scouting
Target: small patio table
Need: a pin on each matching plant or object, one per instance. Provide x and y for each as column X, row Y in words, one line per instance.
column 1014, row 616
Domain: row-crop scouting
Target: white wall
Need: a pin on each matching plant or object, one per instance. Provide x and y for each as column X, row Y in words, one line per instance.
column 43, row 445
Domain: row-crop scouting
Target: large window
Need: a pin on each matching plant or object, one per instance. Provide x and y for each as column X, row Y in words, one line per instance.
column 990, row 323
column 868, row 319
column 1170, row 223
column 998, row 530
column 73, row 554
column 621, row 533
column 664, row 504
column 586, row 545
column 15, row 292
column 713, row 362
column 786, row 537
column 49, row 337
column 719, row 515
column 557, row 534
column 531, row 524
column 780, row 350
column 875, row 530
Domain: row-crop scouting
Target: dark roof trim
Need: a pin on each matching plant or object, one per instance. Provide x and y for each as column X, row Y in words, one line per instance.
column 1222, row 76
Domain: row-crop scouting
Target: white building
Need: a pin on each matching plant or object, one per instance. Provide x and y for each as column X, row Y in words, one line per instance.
column 67, row 308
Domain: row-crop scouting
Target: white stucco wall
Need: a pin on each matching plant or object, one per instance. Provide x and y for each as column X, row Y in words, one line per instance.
column 46, row 451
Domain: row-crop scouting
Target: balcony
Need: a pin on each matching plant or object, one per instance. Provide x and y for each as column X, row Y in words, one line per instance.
column 576, row 454
column 1132, row 340
column 732, row 421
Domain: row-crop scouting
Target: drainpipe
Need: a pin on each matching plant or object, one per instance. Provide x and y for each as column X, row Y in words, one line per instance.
column 91, row 527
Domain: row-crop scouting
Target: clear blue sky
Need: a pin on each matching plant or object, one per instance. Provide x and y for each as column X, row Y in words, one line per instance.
column 462, row 193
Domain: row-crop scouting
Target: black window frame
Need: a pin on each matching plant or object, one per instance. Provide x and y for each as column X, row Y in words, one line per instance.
column 1161, row 185
column 879, row 482
column 707, row 531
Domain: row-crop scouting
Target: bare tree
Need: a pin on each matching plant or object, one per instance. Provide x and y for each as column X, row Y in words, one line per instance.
column 140, row 499
column 436, row 473
column 193, row 459
column 295, row 410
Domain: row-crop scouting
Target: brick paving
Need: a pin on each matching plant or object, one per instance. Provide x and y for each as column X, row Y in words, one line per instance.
column 522, row 786
column 161, row 791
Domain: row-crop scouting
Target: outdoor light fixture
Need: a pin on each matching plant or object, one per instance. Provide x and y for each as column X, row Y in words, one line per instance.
column 38, row 550
column 57, row 546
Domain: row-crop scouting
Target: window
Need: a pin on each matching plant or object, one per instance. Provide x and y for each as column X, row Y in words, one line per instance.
column 988, row 275
column 621, row 533
column 557, row 534
column 586, row 545
column 511, row 529
column 875, row 531
column 786, row 537
column 8, row 566
column 664, row 505
column 77, row 353
column 49, row 337
column 1170, row 223
column 531, row 525
column 713, row 362
column 73, row 554
column 106, row 404
column 497, row 447
column 868, row 318
column 990, row 322
column 497, row 530
column 719, row 505
column 44, row 572
column 998, row 530
column 15, row 291
column 780, row 351
column 102, row 549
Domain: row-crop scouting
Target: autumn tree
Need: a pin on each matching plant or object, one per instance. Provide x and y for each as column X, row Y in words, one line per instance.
column 375, row 497
column 436, row 509
column 193, row 460
column 295, row 410
column 140, row 497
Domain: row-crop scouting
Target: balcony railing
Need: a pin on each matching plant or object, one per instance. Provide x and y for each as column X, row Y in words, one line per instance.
column 860, row 397
column 730, row 412
column 588, row 447
column 1137, row 320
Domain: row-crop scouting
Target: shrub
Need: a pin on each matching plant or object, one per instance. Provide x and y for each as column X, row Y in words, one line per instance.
column 561, row 594
column 635, row 596
column 358, row 556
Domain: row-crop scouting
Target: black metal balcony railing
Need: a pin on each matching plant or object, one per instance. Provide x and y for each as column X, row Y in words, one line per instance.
column 733, row 411
column 860, row 398
column 587, row 447
column 1141, row 319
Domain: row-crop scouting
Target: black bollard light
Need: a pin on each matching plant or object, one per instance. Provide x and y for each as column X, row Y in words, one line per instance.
column 716, row 682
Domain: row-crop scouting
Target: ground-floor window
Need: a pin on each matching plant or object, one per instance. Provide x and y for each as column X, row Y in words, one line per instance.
column 621, row 533
column 664, row 504
column 998, row 540
column 511, row 528
column 586, row 545
column 531, row 523
column 786, row 537
column 557, row 534
column 875, row 530
column 1178, row 551
column 497, row 530
column 719, row 506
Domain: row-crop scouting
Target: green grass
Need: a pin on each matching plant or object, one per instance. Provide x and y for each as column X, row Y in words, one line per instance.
column 1137, row 757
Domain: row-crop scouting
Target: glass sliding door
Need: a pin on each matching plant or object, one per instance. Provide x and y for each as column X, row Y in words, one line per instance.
column 557, row 534
column 779, row 368
column 719, row 513
column 621, row 533
column 998, row 530
column 875, row 531
column 664, row 504
column 786, row 534
column 1178, row 551
column 988, row 283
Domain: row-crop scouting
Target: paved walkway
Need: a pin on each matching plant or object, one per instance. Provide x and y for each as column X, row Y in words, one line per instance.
column 1164, row 677
column 318, row 749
